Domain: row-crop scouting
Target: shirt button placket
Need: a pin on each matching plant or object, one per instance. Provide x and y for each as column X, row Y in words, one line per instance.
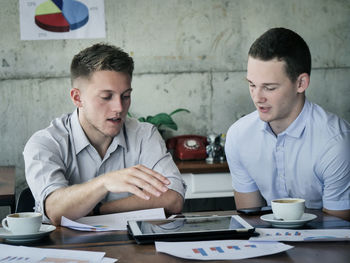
column 101, row 169
column 279, row 151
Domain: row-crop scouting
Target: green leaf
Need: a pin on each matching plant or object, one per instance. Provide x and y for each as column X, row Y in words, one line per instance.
column 179, row 110
column 150, row 119
column 163, row 119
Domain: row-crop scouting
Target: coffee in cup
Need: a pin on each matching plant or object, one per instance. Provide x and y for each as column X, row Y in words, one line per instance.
column 22, row 223
column 288, row 208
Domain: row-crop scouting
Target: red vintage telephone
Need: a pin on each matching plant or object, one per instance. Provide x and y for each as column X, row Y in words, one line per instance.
column 188, row 147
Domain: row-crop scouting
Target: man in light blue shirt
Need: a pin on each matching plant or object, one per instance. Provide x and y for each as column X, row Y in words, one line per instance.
column 288, row 147
column 97, row 160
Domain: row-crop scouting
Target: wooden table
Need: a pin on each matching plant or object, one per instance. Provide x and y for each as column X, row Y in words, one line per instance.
column 117, row 244
column 7, row 187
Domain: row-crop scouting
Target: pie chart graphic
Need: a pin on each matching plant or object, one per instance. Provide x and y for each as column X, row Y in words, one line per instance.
column 61, row 15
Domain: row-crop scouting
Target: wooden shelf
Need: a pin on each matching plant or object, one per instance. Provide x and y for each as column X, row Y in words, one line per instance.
column 7, row 186
column 197, row 167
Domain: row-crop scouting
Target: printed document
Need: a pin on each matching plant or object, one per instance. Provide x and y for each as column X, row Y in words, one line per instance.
column 220, row 249
column 117, row 221
column 275, row 234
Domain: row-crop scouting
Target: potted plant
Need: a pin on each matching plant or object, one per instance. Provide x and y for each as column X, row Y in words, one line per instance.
column 163, row 120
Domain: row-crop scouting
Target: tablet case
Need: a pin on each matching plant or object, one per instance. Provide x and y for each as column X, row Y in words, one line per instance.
column 192, row 236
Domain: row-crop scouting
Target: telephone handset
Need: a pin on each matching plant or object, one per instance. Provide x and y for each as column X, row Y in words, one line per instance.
column 188, row 147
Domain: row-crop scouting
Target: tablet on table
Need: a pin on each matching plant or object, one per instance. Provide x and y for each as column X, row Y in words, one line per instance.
column 190, row 228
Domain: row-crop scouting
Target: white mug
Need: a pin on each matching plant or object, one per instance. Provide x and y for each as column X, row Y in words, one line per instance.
column 288, row 208
column 22, row 223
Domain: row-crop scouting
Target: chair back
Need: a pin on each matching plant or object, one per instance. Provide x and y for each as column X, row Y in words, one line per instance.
column 25, row 202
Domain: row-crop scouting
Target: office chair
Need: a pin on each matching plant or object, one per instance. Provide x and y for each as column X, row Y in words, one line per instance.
column 25, row 202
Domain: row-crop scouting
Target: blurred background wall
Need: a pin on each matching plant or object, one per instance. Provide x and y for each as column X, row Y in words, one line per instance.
column 188, row 54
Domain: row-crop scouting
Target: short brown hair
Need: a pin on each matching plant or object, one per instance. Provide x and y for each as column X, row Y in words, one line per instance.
column 285, row 45
column 100, row 57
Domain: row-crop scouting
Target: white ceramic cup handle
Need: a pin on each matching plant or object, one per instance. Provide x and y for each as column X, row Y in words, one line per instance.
column 4, row 224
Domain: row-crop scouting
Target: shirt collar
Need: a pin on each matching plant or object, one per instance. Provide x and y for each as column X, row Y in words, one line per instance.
column 119, row 140
column 79, row 137
column 81, row 141
column 296, row 128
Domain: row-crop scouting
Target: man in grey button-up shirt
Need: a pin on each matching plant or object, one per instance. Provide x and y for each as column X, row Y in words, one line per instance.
column 97, row 160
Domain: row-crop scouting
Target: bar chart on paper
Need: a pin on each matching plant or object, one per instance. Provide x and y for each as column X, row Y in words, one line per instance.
column 220, row 249
column 61, row 15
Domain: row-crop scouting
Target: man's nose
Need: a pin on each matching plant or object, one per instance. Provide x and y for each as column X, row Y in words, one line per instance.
column 117, row 105
column 258, row 95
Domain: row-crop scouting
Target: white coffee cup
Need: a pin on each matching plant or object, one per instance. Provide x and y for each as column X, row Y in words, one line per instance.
column 22, row 223
column 288, row 208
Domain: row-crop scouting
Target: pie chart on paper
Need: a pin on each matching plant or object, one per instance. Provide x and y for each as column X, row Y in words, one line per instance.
column 61, row 15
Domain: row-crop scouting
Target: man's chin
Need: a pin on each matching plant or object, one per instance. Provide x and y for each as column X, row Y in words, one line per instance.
column 112, row 132
column 264, row 118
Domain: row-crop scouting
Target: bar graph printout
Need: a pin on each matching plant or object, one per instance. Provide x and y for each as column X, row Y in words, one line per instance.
column 308, row 235
column 220, row 249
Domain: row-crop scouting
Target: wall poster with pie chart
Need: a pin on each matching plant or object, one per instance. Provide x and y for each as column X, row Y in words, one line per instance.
column 62, row 19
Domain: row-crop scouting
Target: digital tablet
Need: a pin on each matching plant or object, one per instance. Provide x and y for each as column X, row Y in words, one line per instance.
column 255, row 210
column 190, row 229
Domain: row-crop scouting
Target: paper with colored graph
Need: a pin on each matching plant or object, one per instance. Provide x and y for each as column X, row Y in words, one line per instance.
column 61, row 19
column 220, row 249
column 275, row 234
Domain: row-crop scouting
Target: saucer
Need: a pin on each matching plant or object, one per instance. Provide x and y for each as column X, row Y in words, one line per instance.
column 288, row 223
column 43, row 231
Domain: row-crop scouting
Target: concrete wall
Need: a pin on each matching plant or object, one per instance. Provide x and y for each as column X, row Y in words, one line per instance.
column 189, row 54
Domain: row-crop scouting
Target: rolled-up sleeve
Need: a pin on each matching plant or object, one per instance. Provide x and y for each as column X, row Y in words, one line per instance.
column 154, row 155
column 43, row 168
column 334, row 168
column 241, row 181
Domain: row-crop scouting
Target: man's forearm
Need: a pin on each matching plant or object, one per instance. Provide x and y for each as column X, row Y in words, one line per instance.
column 74, row 201
column 171, row 201
column 247, row 200
column 344, row 214
column 78, row 200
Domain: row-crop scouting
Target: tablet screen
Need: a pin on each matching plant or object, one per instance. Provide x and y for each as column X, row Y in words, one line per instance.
column 192, row 224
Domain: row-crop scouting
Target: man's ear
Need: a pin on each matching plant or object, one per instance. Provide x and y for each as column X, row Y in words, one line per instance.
column 75, row 96
column 303, row 82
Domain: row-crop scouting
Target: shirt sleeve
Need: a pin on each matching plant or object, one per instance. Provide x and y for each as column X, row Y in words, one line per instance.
column 241, row 181
column 44, row 168
column 154, row 155
column 334, row 171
